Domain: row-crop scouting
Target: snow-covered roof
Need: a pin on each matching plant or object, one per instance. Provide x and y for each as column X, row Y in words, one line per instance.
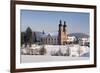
column 54, row 34
column 79, row 35
column 71, row 37
column 44, row 35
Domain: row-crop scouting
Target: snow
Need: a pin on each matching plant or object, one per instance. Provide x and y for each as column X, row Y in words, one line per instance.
column 54, row 53
column 74, row 50
column 40, row 58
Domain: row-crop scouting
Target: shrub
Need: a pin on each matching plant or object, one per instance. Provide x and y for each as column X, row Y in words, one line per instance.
column 42, row 51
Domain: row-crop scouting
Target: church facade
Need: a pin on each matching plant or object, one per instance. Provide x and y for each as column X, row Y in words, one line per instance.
column 62, row 33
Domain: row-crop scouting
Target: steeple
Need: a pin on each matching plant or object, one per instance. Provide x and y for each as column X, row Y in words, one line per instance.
column 64, row 27
column 64, row 23
column 43, row 32
column 60, row 23
column 60, row 26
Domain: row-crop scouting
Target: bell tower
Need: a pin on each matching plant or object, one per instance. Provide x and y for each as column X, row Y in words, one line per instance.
column 62, row 34
column 65, row 33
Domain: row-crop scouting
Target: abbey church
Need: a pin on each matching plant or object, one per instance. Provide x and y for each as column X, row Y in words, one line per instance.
column 58, row 38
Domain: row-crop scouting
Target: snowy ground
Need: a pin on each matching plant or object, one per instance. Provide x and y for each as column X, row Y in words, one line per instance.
column 39, row 58
column 73, row 50
column 76, row 52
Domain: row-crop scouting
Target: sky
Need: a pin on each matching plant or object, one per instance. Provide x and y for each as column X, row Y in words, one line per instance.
column 49, row 21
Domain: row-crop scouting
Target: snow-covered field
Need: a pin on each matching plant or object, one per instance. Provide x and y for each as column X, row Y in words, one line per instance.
column 72, row 50
column 54, row 53
column 40, row 58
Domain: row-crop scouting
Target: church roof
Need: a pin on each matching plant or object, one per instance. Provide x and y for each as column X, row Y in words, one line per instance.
column 54, row 33
column 43, row 35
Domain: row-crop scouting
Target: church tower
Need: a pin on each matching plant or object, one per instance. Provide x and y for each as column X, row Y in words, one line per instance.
column 62, row 33
column 64, row 27
column 65, row 32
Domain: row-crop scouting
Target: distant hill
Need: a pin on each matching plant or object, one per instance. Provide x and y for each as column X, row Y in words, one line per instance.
column 79, row 35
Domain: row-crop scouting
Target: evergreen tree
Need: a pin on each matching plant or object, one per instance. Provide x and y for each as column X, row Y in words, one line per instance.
column 28, row 36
